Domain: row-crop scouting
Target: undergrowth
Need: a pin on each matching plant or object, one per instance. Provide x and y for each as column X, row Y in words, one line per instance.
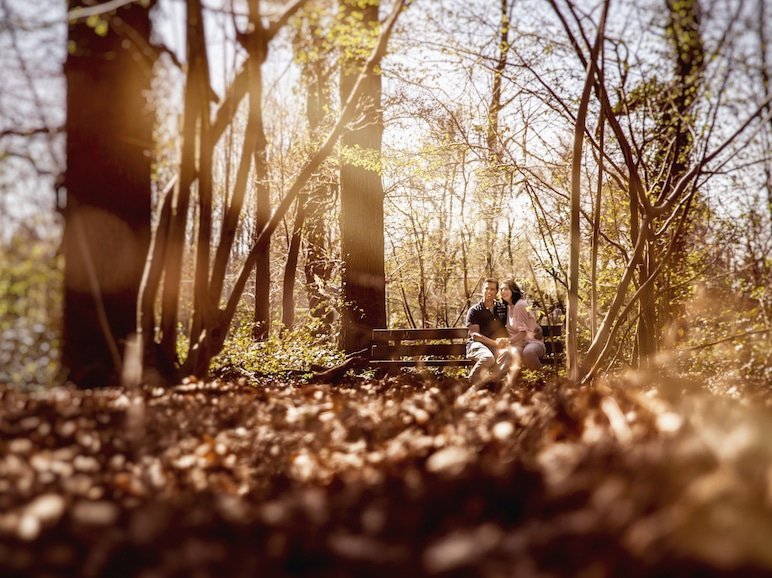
column 306, row 347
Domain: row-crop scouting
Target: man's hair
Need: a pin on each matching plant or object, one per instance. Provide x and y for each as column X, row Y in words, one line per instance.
column 491, row 280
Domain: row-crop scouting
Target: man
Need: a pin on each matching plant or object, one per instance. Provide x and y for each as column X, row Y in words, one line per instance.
column 485, row 323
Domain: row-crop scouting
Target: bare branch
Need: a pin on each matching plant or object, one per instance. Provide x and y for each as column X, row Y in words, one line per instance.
column 30, row 132
column 82, row 12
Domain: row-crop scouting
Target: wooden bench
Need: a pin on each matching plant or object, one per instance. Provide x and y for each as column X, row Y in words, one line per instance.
column 439, row 347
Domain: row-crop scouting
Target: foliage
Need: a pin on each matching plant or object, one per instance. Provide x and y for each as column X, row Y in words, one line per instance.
column 728, row 313
column 30, row 307
column 302, row 348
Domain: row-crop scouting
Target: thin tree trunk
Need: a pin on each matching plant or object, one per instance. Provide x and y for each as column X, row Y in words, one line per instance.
column 572, row 355
column 258, row 50
column 317, row 266
column 596, row 220
column 202, row 312
column 676, row 125
column 194, row 109
column 494, row 108
column 765, row 83
column 290, row 269
column 256, row 46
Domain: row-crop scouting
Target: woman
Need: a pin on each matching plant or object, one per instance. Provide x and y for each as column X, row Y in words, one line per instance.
column 524, row 332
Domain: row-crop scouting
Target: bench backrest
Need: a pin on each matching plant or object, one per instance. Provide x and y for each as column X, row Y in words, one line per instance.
column 437, row 342
column 444, row 342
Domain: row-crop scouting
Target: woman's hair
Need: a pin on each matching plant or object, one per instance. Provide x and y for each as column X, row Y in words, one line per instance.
column 512, row 286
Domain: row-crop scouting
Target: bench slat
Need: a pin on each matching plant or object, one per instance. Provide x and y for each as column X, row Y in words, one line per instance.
column 385, row 335
column 421, row 362
column 437, row 349
column 552, row 330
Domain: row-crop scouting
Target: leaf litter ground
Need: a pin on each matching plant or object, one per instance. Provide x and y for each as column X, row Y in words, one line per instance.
column 405, row 476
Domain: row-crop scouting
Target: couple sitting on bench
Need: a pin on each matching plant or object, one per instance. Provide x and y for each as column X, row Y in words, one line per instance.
column 504, row 336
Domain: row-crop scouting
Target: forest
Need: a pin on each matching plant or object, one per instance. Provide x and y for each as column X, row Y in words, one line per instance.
column 208, row 207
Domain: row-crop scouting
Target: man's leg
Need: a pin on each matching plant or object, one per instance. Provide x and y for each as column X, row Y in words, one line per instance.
column 481, row 370
column 509, row 361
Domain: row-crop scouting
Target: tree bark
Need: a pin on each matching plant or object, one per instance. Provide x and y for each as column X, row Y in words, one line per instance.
column 765, row 83
column 290, row 269
column 257, row 47
column 494, row 109
column 361, row 200
column 107, row 217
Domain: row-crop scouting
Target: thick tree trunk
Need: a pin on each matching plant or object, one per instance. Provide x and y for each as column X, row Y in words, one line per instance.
column 107, row 217
column 361, row 212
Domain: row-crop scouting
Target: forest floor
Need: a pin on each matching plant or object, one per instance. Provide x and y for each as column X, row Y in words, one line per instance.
column 404, row 476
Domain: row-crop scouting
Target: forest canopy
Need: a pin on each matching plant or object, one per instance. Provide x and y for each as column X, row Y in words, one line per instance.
column 243, row 177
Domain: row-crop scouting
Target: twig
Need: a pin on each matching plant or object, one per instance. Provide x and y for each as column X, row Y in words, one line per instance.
column 724, row 340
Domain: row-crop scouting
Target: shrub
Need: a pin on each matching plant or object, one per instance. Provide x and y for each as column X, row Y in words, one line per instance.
column 302, row 348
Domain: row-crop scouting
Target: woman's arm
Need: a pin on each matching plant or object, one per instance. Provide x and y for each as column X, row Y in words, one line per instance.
column 525, row 321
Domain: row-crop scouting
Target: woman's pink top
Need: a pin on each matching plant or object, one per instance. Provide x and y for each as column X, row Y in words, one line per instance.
column 519, row 318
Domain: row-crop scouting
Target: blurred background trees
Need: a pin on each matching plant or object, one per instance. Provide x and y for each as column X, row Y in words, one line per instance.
column 477, row 105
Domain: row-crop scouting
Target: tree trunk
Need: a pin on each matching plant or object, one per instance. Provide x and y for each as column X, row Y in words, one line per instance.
column 290, row 269
column 494, row 109
column 195, row 128
column 107, row 217
column 262, row 316
column 257, row 46
column 676, row 126
column 361, row 199
column 317, row 266
column 765, row 83
column 574, row 242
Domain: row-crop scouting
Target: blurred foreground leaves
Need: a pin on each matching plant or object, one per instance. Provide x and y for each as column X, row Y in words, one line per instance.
column 401, row 476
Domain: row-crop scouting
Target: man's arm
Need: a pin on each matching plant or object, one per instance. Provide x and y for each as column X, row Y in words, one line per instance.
column 475, row 335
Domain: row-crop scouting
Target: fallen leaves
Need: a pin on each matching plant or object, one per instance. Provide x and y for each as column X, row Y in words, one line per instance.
column 402, row 476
